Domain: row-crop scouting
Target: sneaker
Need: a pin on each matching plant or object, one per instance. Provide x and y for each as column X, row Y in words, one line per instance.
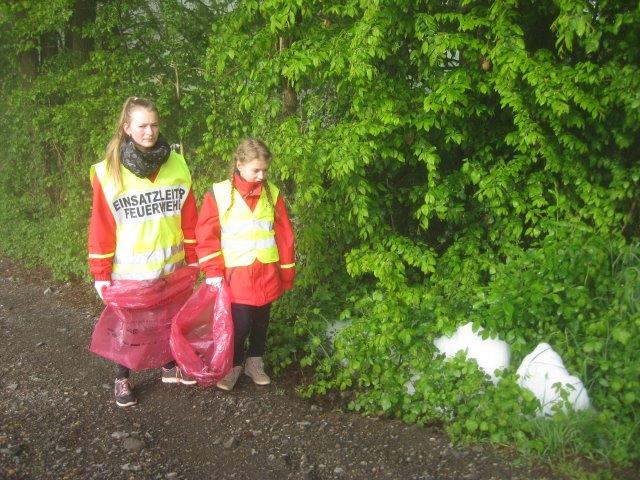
column 230, row 379
column 254, row 368
column 124, row 393
column 175, row 375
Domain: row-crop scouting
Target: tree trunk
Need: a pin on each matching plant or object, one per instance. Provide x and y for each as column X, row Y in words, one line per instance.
column 84, row 12
column 29, row 63
column 49, row 44
column 179, row 106
column 289, row 97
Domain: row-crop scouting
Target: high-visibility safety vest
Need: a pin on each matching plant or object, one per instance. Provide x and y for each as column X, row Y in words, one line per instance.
column 246, row 235
column 149, row 238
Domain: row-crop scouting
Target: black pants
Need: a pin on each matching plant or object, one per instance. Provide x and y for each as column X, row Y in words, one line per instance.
column 123, row 372
column 249, row 322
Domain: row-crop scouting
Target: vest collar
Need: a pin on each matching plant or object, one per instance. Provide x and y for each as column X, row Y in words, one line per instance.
column 247, row 189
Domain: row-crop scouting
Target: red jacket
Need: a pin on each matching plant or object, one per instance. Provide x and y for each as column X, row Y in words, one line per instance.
column 102, row 231
column 259, row 283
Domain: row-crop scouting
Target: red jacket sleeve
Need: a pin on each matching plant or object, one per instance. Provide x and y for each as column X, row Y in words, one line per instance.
column 189, row 218
column 208, row 245
column 285, row 242
column 102, row 235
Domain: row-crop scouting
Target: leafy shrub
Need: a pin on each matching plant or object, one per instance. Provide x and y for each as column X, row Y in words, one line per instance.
column 576, row 290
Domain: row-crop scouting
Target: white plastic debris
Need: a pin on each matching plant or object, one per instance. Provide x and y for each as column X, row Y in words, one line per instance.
column 410, row 386
column 541, row 371
column 491, row 354
column 333, row 328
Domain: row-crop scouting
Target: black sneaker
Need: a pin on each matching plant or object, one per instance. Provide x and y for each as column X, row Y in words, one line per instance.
column 175, row 375
column 124, row 394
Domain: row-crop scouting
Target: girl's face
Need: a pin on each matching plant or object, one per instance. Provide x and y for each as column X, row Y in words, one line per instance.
column 143, row 128
column 253, row 171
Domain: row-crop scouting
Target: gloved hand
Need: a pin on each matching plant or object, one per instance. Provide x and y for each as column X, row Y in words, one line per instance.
column 100, row 284
column 214, row 281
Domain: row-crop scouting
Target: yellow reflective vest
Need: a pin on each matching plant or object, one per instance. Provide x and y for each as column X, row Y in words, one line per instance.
column 246, row 235
column 149, row 238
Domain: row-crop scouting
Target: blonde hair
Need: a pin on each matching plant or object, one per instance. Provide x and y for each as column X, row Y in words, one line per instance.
column 248, row 150
column 112, row 154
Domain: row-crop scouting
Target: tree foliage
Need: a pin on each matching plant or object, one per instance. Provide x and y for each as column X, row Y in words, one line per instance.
column 60, row 111
column 443, row 162
column 465, row 160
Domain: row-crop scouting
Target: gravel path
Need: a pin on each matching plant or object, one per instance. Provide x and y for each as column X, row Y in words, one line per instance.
column 58, row 419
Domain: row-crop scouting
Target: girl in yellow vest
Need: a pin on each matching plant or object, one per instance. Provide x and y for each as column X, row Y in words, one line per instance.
column 244, row 236
column 143, row 217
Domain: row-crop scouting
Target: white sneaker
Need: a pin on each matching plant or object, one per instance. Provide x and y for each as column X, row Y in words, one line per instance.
column 230, row 379
column 254, row 368
column 176, row 375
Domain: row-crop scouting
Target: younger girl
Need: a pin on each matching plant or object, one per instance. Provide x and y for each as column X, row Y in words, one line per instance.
column 244, row 236
column 129, row 240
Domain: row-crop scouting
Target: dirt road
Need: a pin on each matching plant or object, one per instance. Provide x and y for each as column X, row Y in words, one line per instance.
column 58, row 419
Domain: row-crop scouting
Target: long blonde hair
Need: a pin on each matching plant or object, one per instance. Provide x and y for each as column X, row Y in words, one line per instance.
column 250, row 149
column 112, row 154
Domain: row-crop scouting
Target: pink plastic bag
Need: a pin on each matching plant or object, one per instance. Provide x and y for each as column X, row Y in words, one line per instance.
column 202, row 335
column 134, row 327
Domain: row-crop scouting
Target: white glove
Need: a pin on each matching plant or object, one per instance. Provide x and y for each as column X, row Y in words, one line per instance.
column 214, row 281
column 100, row 284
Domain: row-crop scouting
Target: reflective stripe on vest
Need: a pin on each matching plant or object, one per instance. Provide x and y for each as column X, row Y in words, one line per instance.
column 149, row 239
column 246, row 235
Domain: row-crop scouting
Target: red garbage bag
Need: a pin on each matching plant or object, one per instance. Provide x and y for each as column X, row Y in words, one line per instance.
column 202, row 335
column 134, row 327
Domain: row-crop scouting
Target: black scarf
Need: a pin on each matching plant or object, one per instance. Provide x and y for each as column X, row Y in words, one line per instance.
column 144, row 164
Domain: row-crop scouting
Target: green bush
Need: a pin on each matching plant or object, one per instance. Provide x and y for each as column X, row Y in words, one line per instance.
column 576, row 290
